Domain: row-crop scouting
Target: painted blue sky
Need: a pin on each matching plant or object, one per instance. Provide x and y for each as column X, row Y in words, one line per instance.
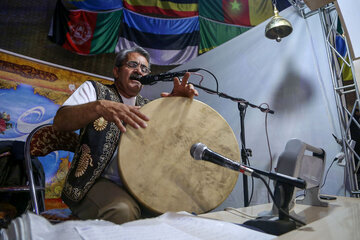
column 27, row 110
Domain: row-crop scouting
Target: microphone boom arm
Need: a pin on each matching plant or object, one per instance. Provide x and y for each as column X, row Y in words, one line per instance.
column 200, row 151
column 296, row 182
column 240, row 100
column 250, row 171
column 167, row 77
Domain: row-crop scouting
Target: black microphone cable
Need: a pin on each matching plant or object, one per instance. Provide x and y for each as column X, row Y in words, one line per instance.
column 216, row 81
column 327, row 172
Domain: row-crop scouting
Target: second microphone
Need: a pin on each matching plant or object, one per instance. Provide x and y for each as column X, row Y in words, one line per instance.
column 152, row 79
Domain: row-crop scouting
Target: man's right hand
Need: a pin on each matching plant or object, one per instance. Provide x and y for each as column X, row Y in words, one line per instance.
column 120, row 114
column 71, row 118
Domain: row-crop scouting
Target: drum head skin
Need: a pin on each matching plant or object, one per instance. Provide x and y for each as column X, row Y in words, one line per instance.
column 155, row 162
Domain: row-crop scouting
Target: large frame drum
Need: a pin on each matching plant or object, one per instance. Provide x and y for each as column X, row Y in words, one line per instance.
column 155, row 162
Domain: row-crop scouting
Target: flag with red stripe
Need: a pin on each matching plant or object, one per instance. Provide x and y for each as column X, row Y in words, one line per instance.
column 85, row 32
column 239, row 12
column 171, row 8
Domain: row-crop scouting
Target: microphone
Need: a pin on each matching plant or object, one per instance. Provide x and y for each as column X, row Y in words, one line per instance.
column 152, row 79
column 200, row 151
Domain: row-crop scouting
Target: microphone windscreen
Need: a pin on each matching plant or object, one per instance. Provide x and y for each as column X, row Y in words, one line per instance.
column 197, row 150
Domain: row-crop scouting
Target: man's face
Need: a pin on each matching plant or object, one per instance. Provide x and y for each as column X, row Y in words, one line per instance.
column 126, row 78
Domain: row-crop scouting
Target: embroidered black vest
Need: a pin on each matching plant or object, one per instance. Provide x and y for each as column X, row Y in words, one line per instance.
column 98, row 142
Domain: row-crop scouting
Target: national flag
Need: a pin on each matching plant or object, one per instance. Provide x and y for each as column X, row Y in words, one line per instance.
column 85, row 32
column 282, row 4
column 239, row 12
column 213, row 34
column 340, row 46
column 173, row 8
column 94, row 5
column 169, row 41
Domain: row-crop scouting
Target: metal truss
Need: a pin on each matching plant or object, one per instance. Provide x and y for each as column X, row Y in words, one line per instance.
column 346, row 92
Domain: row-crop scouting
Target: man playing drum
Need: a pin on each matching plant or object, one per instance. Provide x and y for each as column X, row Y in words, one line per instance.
column 93, row 188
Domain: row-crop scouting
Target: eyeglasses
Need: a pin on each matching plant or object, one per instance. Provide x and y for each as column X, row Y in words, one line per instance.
column 134, row 64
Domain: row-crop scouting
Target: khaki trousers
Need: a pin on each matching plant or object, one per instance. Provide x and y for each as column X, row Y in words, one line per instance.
column 108, row 201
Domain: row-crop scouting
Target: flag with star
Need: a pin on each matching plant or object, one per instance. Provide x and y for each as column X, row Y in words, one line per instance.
column 239, row 12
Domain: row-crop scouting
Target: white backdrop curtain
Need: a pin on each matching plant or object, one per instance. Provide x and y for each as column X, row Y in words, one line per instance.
column 292, row 76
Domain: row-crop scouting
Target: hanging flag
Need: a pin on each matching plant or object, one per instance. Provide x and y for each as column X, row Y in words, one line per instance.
column 172, row 8
column 213, row 34
column 341, row 49
column 260, row 10
column 239, row 12
column 93, row 5
column 340, row 46
column 282, row 4
column 85, row 32
column 169, row 41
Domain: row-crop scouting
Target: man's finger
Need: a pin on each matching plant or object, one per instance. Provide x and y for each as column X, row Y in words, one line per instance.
column 137, row 121
column 185, row 79
column 165, row 94
column 139, row 114
column 176, row 82
column 120, row 125
column 131, row 122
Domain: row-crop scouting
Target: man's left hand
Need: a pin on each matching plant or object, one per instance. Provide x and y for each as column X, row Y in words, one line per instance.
column 182, row 89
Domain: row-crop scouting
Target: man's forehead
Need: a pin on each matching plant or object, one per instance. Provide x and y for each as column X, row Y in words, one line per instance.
column 137, row 57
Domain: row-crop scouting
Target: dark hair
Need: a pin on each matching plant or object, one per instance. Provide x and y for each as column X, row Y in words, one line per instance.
column 122, row 55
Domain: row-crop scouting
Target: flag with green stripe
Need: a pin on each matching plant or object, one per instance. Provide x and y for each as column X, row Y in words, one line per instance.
column 85, row 32
column 239, row 12
column 213, row 34
column 172, row 8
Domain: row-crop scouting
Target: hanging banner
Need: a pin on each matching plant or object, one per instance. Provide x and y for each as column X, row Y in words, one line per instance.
column 171, row 8
column 239, row 12
column 169, row 41
column 84, row 32
column 94, row 5
column 213, row 34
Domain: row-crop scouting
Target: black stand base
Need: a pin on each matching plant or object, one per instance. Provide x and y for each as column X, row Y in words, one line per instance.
column 274, row 227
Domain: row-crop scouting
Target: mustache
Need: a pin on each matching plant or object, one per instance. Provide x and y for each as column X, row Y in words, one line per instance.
column 135, row 76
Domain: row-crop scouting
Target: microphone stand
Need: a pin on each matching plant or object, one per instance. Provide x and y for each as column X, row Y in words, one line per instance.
column 282, row 197
column 239, row 100
column 224, row 95
column 245, row 153
column 242, row 105
column 284, row 187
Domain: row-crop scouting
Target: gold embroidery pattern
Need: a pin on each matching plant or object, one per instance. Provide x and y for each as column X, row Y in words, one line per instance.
column 100, row 124
column 84, row 161
column 75, row 192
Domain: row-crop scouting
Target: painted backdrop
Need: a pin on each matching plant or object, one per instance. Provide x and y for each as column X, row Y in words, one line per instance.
column 30, row 94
